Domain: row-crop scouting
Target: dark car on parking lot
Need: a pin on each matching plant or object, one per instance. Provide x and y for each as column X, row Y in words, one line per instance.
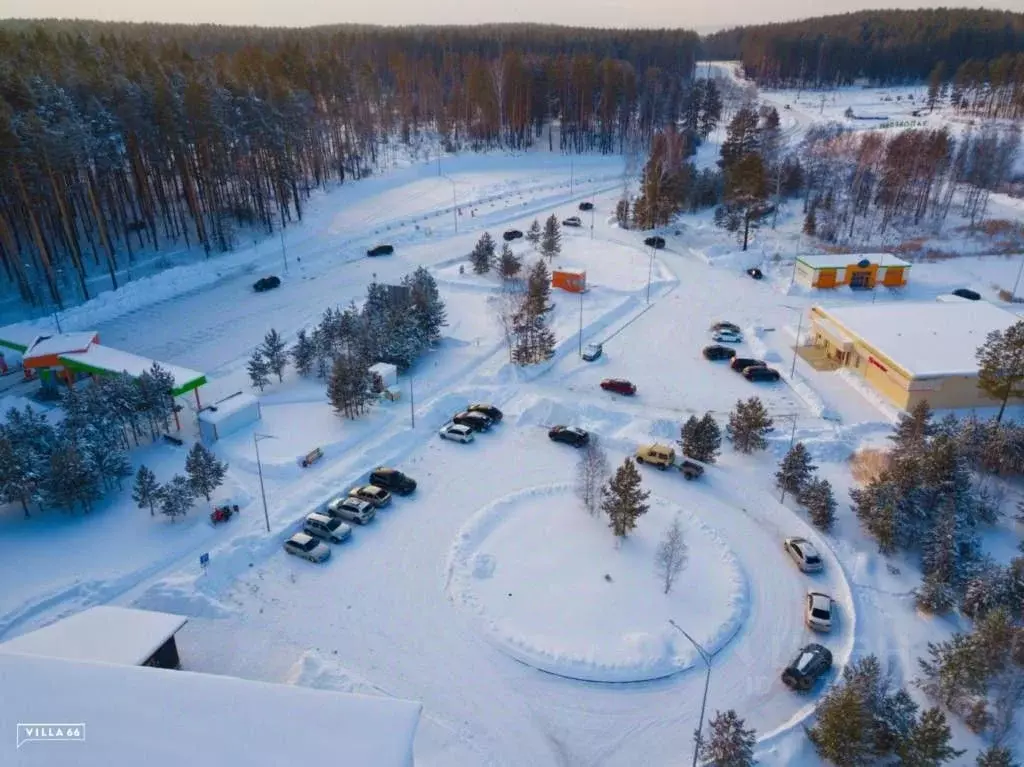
column 811, row 662
column 619, row 386
column 718, row 352
column 739, row 364
column 761, row 373
column 266, row 283
column 512, row 234
column 756, row 273
column 381, row 250
column 488, row 410
column 570, row 435
column 970, row 295
column 655, row 242
column 475, row 421
column 586, row 206
column 393, row 480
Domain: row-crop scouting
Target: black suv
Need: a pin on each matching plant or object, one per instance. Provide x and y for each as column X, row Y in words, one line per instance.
column 475, row 421
column 512, row 234
column 970, row 295
column 718, row 352
column 266, row 283
column 586, row 206
column 739, row 364
column 393, row 480
column 655, row 242
column 488, row 410
column 756, row 273
column 381, row 250
column 761, row 373
column 810, row 663
column 570, row 435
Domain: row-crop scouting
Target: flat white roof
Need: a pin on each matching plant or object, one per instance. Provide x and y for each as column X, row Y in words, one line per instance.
column 843, row 260
column 228, row 407
column 162, row 718
column 117, row 361
column 105, row 633
column 577, row 270
column 929, row 339
column 60, row 343
column 18, row 335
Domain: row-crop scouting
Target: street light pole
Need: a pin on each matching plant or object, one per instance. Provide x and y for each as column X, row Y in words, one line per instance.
column 259, row 468
column 284, row 252
column 796, row 344
column 592, row 224
column 581, row 324
column 412, row 402
column 1016, row 283
column 650, row 270
column 707, row 683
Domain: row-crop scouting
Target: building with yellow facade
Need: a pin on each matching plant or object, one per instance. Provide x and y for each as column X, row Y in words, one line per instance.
column 855, row 270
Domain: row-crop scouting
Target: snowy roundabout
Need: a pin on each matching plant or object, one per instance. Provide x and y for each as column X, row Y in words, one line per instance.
column 597, row 613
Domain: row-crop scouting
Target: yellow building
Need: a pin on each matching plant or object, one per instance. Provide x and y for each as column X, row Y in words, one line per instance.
column 912, row 351
column 856, row 270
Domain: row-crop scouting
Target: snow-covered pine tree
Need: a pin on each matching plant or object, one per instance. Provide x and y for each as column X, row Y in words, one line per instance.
column 322, row 352
column 795, row 470
column 258, row 370
column 159, row 396
column 928, row 742
column 748, row 424
column 624, row 500
column 275, row 352
column 533, row 233
column 146, row 490
column 509, row 264
column 70, row 479
column 1001, row 365
column 176, row 497
column 622, row 213
column 820, row 503
column 428, row 308
column 303, row 354
column 591, row 472
column 538, row 290
column 996, row 756
column 810, row 227
column 348, row 386
column 728, row 742
column 483, row 254
column 551, row 238
column 689, row 437
column 17, row 480
column 709, row 440
column 670, row 557
column 913, row 432
column 204, row 470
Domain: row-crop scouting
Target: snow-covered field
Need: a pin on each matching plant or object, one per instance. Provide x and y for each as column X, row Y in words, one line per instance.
column 484, row 595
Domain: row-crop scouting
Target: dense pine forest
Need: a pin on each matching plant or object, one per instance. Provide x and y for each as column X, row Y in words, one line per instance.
column 882, row 46
column 117, row 138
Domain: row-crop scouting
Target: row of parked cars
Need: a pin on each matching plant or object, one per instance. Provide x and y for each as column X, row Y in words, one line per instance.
column 333, row 524
column 477, row 417
column 813, row 660
column 749, row 368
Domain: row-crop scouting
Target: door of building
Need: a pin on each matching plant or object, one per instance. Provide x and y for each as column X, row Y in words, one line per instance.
column 860, row 279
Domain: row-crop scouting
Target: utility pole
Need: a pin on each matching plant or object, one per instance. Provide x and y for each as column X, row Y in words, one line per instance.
column 650, row 270
column 704, row 656
column 581, row 324
column 259, row 468
column 1016, row 283
column 284, row 253
column 591, row 223
column 412, row 403
column 792, row 441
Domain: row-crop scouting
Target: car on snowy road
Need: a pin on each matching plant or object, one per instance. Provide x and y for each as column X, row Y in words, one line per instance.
column 811, row 662
column 970, row 295
column 351, row 510
column 263, row 284
column 756, row 273
column 655, row 242
column 377, row 497
column 586, row 206
column 727, row 337
column 393, row 480
column 717, row 352
column 512, row 234
column 661, row 456
column 723, row 325
column 306, row 546
column 572, row 221
column 592, row 351
column 488, row 410
column 570, row 435
column 327, row 527
column 456, row 432
column 739, row 364
column 803, row 553
column 619, row 386
column 474, row 421
column 381, row 250
column 761, row 373
column 818, row 611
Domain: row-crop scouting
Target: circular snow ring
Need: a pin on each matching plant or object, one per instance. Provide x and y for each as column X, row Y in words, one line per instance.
column 607, row 618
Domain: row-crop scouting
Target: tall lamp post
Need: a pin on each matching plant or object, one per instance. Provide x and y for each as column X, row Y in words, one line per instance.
column 799, row 327
column 704, row 656
column 1016, row 282
column 259, row 468
column 581, row 324
column 650, row 272
column 792, row 441
column 455, row 204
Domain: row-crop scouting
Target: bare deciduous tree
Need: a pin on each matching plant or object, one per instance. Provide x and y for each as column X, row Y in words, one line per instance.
column 591, row 472
column 671, row 556
column 505, row 305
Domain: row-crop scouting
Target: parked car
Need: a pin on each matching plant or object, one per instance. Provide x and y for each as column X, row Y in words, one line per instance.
column 456, row 432
column 592, row 351
column 377, row 497
column 818, row 611
column 381, row 250
column 723, row 325
column 802, row 552
column 727, row 336
column 761, row 373
column 474, row 421
column 661, row 456
column 691, row 469
column 739, row 364
column 327, row 527
column 393, row 480
column 572, row 221
column 264, row 284
column 306, row 546
column 655, row 242
column 586, row 206
column 488, row 410
column 351, row 509
column 756, row 273
column 570, row 435
column 512, row 234
column 619, row 386
column 970, row 295
column 716, row 352
column 811, row 662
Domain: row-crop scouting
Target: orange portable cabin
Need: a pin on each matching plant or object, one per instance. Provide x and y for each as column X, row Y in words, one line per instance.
column 572, row 280
column 861, row 271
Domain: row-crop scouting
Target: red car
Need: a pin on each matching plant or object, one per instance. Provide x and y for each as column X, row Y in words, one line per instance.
column 619, row 386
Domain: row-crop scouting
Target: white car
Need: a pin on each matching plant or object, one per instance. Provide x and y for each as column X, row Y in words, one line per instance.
column 351, row 509
column 456, row 432
column 802, row 552
column 818, row 611
column 377, row 496
column 727, row 336
column 327, row 527
column 592, row 351
column 306, row 546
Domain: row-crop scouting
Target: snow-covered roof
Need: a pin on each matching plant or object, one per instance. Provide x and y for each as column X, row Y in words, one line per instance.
column 928, row 339
column 577, row 270
column 105, row 633
column 843, row 260
column 117, row 361
column 228, row 407
column 60, row 343
column 18, row 337
column 168, row 718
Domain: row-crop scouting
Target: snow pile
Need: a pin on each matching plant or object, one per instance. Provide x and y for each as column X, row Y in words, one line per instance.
column 555, row 593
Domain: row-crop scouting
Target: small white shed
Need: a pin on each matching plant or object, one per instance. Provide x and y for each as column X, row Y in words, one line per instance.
column 221, row 419
column 384, row 376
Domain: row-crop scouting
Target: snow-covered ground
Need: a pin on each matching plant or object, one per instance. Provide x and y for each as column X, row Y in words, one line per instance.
column 484, row 594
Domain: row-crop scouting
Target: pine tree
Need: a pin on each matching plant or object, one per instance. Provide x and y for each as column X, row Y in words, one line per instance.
column 258, row 370
column 912, row 433
column 748, row 424
column 820, row 503
column 551, row 238
column 509, row 265
column 348, row 386
column 928, row 743
column 745, row 197
column 176, row 497
column 1001, row 365
column 810, row 227
column 483, row 254
column 795, row 470
column 728, row 743
column 711, row 109
column 204, row 470
column 533, row 233
column 709, row 442
column 689, row 437
column 996, row 756
column 17, row 480
column 622, row 213
column 671, row 555
column 275, row 353
column 71, row 480
column 146, row 491
column 935, row 83
column 428, row 308
column 538, row 290
column 624, row 500
column 303, row 354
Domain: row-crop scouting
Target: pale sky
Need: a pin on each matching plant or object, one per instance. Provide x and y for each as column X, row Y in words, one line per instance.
column 702, row 15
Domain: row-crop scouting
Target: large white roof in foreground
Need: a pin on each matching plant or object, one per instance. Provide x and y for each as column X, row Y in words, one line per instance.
column 927, row 339
column 105, row 633
column 157, row 718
